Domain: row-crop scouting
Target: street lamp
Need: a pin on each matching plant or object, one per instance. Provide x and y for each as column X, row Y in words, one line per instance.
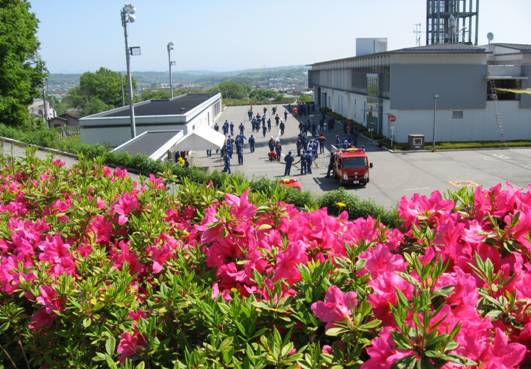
column 128, row 16
column 170, row 63
column 435, row 99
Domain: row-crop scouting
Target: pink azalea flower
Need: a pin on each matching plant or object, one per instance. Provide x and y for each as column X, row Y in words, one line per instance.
column 100, row 203
column 384, row 293
column 58, row 163
column 158, row 183
column 107, row 172
column 126, row 204
column 162, row 251
column 101, row 228
column 380, row 260
column 337, row 306
column 41, row 319
column 121, row 254
column 137, row 315
column 327, row 350
column 120, row 173
column 383, row 352
column 474, row 234
column 129, row 345
column 241, row 208
column 503, row 354
column 57, row 254
column 431, row 208
column 288, row 262
column 49, row 298
column 84, row 250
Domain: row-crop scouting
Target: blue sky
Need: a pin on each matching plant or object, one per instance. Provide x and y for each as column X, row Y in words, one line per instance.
column 221, row 35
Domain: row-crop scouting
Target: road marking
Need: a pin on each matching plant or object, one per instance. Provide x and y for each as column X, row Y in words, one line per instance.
column 502, row 157
column 465, row 183
column 416, row 189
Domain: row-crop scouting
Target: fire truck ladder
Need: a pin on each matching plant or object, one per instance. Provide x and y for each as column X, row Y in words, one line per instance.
column 499, row 116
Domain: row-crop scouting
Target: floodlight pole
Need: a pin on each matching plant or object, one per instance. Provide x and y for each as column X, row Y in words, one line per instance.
column 126, row 18
column 170, row 63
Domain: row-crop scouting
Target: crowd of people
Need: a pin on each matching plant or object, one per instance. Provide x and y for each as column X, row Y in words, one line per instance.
column 310, row 141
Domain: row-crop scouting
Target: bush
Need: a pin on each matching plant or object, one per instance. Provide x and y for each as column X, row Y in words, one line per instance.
column 97, row 271
column 340, row 200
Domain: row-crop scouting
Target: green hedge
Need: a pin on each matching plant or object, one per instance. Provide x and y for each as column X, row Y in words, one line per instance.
column 337, row 201
column 227, row 183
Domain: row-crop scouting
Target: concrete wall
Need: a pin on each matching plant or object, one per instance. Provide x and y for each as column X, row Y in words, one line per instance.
column 476, row 125
column 460, row 86
column 350, row 105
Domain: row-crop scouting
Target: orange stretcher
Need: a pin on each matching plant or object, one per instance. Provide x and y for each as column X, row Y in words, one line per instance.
column 292, row 183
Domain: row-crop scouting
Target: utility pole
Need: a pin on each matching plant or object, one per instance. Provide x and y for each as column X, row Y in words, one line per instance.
column 435, row 99
column 45, row 105
column 128, row 16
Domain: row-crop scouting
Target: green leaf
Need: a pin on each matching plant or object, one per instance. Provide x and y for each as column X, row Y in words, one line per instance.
column 110, row 345
column 407, row 362
column 336, row 331
column 370, row 325
column 100, row 356
column 87, row 322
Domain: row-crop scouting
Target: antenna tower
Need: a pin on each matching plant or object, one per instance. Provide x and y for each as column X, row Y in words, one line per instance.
column 452, row 21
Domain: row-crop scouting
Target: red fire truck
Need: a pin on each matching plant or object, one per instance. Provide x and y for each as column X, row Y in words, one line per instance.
column 351, row 166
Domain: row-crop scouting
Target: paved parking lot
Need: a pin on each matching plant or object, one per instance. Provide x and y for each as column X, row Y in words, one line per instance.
column 394, row 174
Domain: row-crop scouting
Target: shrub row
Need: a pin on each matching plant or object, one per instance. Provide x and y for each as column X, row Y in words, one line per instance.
column 143, row 165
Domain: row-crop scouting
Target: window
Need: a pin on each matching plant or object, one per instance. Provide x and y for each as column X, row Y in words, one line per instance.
column 352, row 163
column 457, row 114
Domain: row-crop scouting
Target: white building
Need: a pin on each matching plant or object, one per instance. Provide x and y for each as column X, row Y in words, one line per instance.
column 402, row 84
column 37, row 108
column 192, row 115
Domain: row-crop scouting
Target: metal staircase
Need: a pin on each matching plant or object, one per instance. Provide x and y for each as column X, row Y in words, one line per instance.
column 499, row 116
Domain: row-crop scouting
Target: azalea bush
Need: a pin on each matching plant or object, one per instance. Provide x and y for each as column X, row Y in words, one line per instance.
column 98, row 271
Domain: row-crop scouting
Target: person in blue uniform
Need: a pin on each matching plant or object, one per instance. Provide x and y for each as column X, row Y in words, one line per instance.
column 289, row 162
column 252, row 142
column 226, row 161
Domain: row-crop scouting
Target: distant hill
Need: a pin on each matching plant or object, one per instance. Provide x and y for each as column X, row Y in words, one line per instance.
column 289, row 77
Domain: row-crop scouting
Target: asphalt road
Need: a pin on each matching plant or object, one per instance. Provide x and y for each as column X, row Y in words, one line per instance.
column 19, row 151
column 394, row 174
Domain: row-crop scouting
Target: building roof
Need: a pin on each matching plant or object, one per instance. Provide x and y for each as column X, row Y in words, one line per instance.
column 525, row 48
column 429, row 49
column 72, row 113
column 176, row 106
column 148, row 142
column 443, row 49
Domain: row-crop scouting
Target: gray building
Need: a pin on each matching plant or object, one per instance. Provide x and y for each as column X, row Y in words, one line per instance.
column 402, row 83
column 192, row 114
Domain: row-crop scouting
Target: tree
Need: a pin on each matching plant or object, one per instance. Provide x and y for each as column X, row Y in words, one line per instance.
column 21, row 70
column 95, row 105
column 57, row 104
column 232, row 90
column 99, row 90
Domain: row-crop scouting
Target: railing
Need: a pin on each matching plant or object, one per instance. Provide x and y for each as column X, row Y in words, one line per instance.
column 69, row 131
